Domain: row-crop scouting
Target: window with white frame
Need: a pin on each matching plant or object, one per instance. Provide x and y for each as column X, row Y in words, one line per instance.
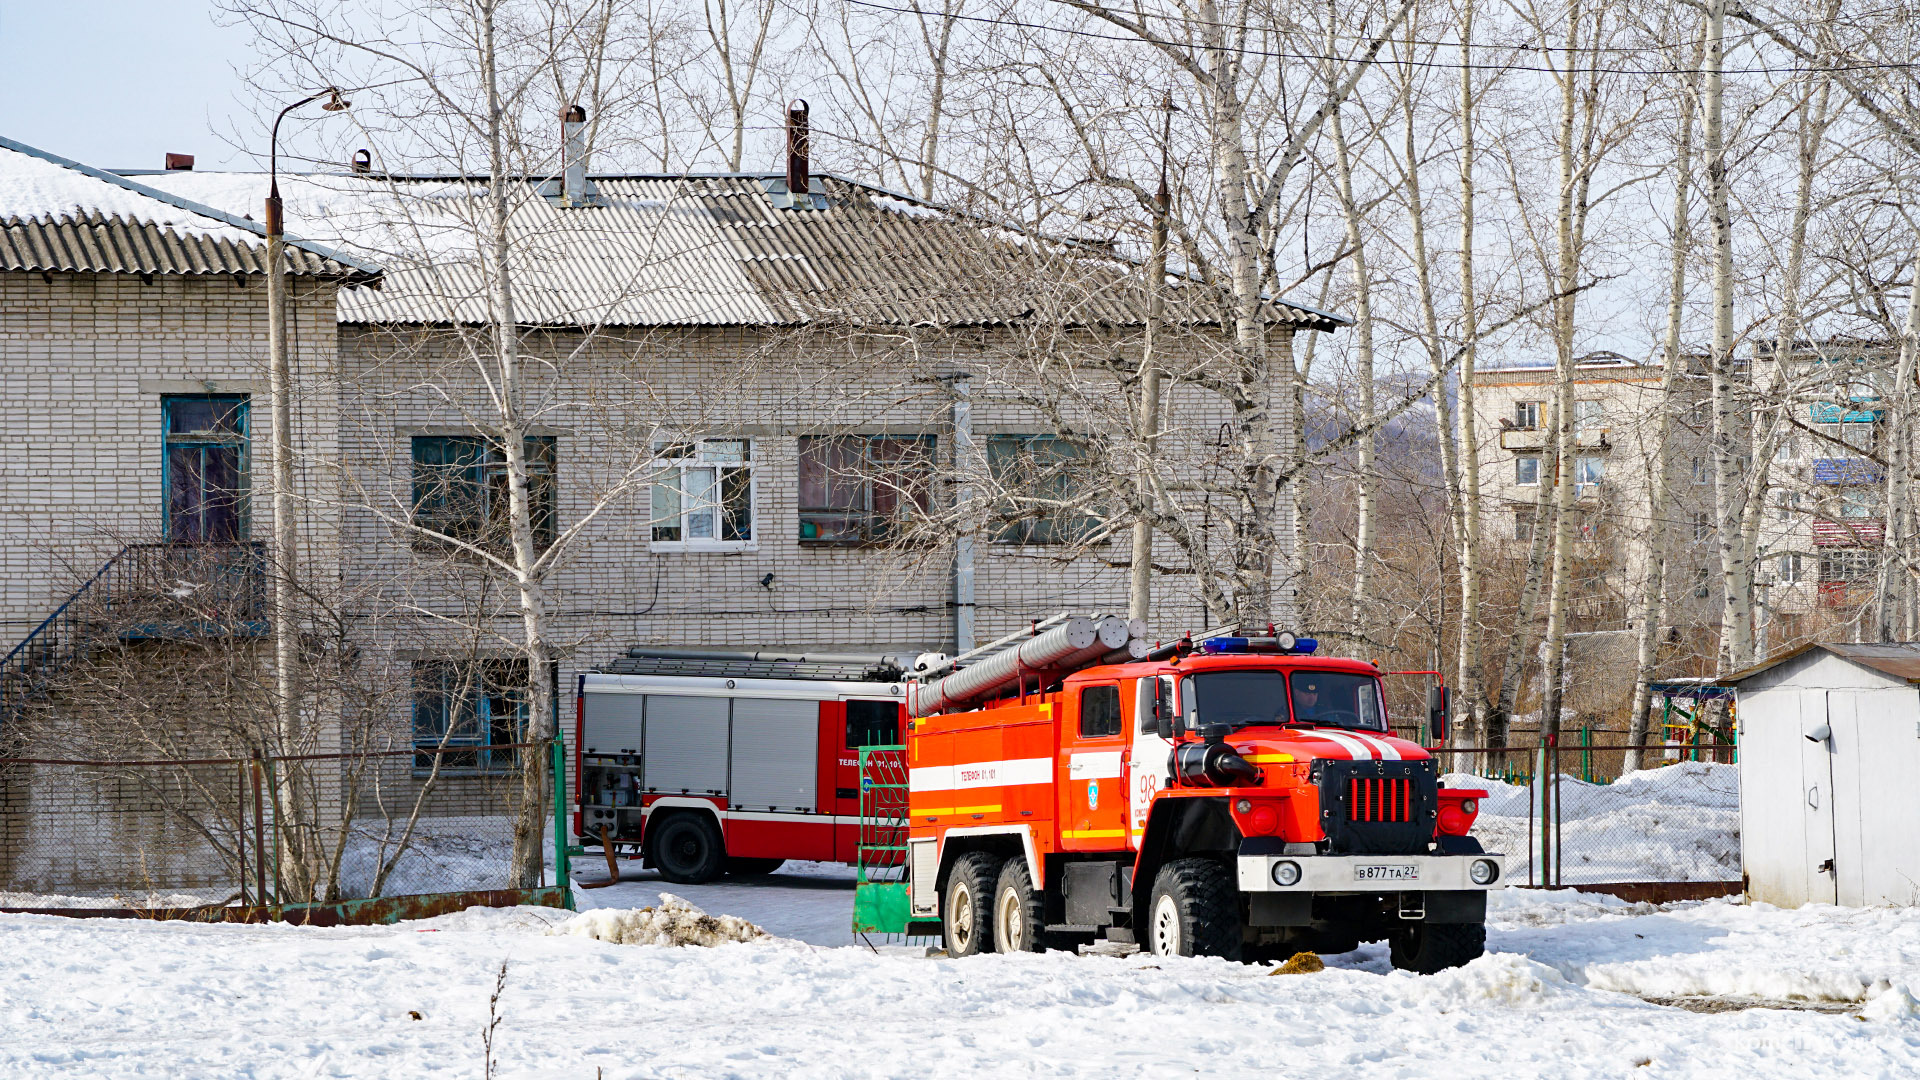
column 1702, row 525
column 1588, row 417
column 1523, row 524
column 1702, row 470
column 1526, row 415
column 1791, row 571
column 1786, row 505
column 703, row 495
column 1589, row 472
column 1526, row 471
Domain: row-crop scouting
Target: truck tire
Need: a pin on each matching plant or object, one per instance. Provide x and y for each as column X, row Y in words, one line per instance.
column 1429, row 947
column 687, row 849
column 1019, row 921
column 966, row 911
column 1193, row 911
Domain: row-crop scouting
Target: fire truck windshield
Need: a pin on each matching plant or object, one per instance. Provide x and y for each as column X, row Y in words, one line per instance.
column 1256, row 698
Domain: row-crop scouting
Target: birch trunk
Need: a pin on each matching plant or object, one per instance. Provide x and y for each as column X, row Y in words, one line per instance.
column 1470, row 678
column 1567, row 265
column 1364, row 496
column 1500, row 718
column 1899, row 458
column 1653, row 595
column 507, row 389
column 1736, row 574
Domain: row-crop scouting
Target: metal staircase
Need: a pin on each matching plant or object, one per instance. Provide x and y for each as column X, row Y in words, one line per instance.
column 145, row 591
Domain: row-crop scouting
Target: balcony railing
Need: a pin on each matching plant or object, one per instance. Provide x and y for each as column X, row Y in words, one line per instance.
column 1846, row 471
column 1849, row 532
column 183, row 590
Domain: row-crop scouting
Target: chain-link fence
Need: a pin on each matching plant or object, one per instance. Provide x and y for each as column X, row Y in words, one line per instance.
column 268, row 831
column 1575, row 815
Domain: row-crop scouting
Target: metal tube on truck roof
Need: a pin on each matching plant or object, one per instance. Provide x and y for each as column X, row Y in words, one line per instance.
column 1042, row 652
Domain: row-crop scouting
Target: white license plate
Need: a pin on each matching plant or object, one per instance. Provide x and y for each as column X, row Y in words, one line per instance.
column 1386, row 873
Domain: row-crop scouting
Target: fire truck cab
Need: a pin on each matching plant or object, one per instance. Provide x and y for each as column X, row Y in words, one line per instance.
column 711, row 762
column 1242, row 798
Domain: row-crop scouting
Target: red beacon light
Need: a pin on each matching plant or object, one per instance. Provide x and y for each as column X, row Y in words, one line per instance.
column 1276, row 643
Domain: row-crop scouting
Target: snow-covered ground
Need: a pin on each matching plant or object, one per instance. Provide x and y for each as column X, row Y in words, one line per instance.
column 1680, row 822
column 1555, row 998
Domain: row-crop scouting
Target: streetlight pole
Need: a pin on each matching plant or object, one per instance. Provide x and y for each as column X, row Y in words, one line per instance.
column 280, row 384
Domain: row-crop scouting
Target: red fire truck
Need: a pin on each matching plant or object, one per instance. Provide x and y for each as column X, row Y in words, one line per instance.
column 1238, row 797
column 705, row 762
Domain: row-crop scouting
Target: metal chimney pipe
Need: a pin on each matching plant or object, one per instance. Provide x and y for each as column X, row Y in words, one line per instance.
column 797, row 140
column 573, row 155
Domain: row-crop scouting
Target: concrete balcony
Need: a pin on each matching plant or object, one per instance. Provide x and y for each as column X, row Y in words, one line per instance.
column 1523, row 439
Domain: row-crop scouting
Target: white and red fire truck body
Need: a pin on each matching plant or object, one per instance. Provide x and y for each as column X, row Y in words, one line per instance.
column 1215, row 788
column 704, row 775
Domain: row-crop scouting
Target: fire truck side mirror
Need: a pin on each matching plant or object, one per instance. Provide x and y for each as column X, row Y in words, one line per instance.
column 1163, row 717
column 1437, row 714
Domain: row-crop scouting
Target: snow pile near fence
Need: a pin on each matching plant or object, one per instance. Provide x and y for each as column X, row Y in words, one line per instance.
column 443, row 854
column 1680, row 822
column 673, row 922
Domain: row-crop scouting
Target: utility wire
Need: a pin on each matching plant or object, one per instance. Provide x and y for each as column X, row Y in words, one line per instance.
column 1792, row 69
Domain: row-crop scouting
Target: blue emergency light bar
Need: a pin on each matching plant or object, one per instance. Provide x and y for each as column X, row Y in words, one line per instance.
column 1284, row 643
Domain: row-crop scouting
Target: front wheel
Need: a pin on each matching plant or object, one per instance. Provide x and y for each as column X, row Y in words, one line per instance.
column 966, row 920
column 742, row 867
column 1429, row 947
column 1194, row 911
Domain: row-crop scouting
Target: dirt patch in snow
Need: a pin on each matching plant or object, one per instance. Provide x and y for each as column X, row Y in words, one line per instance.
column 673, row 922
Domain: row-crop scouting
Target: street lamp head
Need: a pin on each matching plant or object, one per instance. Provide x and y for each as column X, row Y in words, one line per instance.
column 334, row 102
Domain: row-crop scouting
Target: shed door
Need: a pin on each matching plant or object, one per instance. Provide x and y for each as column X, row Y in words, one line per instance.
column 1816, row 797
column 1875, row 756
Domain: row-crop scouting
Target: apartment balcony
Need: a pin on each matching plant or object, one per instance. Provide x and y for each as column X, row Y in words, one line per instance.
column 1840, row 472
column 1849, row 532
column 1541, row 439
column 1523, row 439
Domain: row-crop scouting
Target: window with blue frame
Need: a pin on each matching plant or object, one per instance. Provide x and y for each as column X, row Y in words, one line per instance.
column 204, row 467
column 460, row 489
column 464, row 709
column 1044, row 481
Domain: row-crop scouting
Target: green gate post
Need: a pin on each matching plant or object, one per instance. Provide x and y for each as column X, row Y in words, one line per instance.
column 562, row 865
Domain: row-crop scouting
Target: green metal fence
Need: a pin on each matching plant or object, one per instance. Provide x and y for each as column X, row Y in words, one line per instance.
column 880, row 896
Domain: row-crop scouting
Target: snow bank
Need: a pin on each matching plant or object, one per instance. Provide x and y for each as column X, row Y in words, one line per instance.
column 1497, row 978
column 1719, row 948
column 1680, row 822
column 674, row 922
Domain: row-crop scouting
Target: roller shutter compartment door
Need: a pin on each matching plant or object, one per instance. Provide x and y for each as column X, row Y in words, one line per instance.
column 610, row 723
column 775, row 754
column 686, row 745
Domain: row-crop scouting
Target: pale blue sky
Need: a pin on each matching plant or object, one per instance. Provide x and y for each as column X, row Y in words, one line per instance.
column 118, row 83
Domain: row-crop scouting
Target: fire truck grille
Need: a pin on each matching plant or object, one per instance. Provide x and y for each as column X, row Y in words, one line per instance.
column 1375, row 798
column 1377, row 807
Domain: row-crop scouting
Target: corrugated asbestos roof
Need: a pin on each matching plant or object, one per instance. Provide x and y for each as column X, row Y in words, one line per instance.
column 58, row 215
column 1898, row 659
column 698, row 250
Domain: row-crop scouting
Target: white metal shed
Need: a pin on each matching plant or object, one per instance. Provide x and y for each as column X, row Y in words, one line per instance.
column 1829, row 739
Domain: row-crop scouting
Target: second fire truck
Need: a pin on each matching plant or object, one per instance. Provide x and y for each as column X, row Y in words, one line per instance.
column 1236, row 797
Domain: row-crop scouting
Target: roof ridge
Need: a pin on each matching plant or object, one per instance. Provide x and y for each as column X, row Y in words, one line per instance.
column 188, row 205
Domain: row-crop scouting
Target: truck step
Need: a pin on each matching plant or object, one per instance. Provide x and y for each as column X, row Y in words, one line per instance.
column 1071, row 928
column 1121, row 934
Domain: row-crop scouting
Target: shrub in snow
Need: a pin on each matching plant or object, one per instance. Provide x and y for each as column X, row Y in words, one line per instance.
column 674, row 922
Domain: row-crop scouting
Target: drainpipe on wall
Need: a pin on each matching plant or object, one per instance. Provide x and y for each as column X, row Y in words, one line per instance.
column 965, row 460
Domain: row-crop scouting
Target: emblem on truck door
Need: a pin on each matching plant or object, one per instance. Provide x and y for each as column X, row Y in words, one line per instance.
column 1093, row 794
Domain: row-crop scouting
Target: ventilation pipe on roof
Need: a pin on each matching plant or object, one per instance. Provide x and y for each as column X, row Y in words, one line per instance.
column 179, row 162
column 573, row 156
column 797, row 149
column 363, row 160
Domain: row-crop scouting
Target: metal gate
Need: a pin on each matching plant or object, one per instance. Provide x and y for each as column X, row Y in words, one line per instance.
column 880, row 899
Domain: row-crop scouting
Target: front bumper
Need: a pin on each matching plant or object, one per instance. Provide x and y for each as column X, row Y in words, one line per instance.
column 1369, row 873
